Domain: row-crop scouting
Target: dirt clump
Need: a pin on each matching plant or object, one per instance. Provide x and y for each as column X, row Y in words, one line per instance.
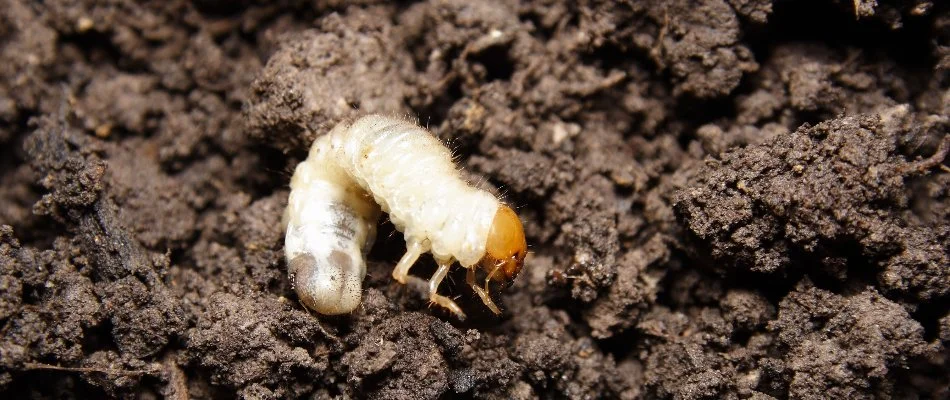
column 319, row 77
column 821, row 194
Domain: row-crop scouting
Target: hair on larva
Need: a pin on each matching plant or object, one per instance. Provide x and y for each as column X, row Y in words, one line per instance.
column 378, row 163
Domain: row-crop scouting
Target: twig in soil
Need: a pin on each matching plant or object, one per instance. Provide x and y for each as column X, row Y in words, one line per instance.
column 177, row 381
column 935, row 160
column 48, row 367
column 658, row 50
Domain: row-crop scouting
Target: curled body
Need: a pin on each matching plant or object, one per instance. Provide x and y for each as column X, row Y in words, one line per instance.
column 330, row 225
column 382, row 163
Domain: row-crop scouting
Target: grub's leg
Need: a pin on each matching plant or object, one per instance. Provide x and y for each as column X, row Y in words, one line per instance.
column 483, row 293
column 488, row 278
column 435, row 297
column 413, row 250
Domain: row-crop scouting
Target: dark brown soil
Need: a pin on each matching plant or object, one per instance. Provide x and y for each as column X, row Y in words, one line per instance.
column 724, row 198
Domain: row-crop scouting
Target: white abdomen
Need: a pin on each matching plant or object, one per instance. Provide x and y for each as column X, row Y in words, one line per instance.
column 330, row 226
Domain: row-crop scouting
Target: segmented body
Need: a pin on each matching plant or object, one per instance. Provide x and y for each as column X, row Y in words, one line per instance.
column 330, row 226
column 411, row 175
column 332, row 211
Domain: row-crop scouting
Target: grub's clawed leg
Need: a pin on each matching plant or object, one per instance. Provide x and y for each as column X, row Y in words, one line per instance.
column 401, row 274
column 435, row 297
column 413, row 250
column 483, row 293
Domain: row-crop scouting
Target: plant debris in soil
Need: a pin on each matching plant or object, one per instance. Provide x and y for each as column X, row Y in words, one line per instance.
column 723, row 198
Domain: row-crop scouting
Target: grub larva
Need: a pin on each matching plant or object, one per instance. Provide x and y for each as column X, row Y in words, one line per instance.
column 382, row 163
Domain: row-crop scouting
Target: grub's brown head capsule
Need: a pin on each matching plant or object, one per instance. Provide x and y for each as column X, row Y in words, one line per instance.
column 505, row 248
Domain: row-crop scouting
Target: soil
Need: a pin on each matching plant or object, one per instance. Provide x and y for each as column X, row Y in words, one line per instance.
column 724, row 198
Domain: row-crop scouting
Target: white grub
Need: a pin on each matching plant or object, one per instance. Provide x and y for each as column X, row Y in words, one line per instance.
column 383, row 163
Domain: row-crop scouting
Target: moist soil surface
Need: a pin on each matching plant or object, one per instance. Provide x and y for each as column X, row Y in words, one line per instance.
column 723, row 198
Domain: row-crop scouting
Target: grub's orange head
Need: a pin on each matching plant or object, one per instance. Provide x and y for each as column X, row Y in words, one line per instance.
column 505, row 248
